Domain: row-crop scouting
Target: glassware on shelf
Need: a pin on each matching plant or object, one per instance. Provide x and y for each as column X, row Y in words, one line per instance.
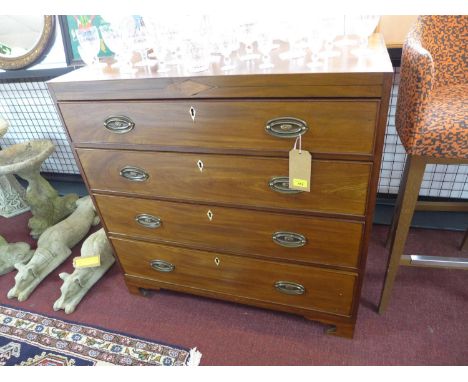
column 315, row 43
column 165, row 41
column 197, row 55
column 197, row 43
column 364, row 25
column 140, row 38
column 204, row 30
column 89, row 45
column 330, row 26
column 173, row 38
column 346, row 39
column 227, row 44
column 160, row 46
column 113, row 38
column 248, row 38
column 162, row 54
column 296, row 39
column 265, row 46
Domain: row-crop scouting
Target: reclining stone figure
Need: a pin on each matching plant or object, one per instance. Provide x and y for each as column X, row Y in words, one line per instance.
column 11, row 254
column 77, row 284
column 53, row 247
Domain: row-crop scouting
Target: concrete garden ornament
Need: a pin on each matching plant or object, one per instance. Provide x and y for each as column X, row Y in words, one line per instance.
column 76, row 285
column 12, row 195
column 25, row 160
column 53, row 248
column 11, row 254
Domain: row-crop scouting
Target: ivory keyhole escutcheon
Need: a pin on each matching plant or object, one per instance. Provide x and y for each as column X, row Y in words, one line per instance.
column 193, row 113
column 210, row 215
column 217, row 261
column 200, row 165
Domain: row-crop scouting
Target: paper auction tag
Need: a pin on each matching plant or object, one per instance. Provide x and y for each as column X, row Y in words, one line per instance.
column 300, row 162
column 87, row 261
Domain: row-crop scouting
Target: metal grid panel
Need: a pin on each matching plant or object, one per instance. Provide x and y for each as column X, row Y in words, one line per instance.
column 32, row 115
column 30, row 111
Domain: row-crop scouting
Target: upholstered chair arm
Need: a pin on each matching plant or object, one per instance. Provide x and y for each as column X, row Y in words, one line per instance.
column 416, row 83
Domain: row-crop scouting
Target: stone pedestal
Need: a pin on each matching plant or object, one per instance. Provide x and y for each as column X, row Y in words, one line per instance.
column 25, row 160
column 12, row 194
column 12, row 197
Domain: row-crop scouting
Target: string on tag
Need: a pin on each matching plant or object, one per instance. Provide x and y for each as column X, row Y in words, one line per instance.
column 300, row 143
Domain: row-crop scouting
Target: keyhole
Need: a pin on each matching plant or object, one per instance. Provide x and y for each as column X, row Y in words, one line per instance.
column 200, row 165
column 217, row 261
column 210, row 215
column 193, row 112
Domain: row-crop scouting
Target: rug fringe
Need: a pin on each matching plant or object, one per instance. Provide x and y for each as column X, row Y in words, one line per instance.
column 194, row 357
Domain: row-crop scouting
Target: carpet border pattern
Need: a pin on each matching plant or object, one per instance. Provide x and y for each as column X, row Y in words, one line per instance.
column 86, row 342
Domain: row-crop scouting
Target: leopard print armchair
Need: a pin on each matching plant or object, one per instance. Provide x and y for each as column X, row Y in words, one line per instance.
column 432, row 107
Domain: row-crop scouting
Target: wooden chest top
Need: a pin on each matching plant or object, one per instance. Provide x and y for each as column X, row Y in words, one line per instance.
column 343, row 76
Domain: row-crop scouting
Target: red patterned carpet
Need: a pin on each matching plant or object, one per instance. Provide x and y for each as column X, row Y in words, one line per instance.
column 426, row 323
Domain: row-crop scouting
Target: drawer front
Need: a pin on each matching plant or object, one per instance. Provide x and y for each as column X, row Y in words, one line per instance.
column 336, row 186
column 332, row 126
column 287, row 284
column 280, row 236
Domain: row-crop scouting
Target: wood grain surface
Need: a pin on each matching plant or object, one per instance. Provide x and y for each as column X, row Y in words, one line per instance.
column 325, row 290
column 336, row 186
column 343, row 76
column 345, row 127
column 223, row 161
column 231, row 230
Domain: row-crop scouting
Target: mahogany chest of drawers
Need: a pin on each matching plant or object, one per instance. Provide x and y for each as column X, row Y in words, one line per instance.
column 190, row 177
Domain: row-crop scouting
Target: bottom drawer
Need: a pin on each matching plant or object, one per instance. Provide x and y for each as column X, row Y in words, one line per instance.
column 300, row 286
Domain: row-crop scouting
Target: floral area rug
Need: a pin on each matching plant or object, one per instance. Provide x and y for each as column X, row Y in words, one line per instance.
column 29, row 339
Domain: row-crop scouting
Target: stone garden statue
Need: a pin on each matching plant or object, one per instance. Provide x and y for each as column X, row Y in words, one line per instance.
column 11, row 254
column 76, row 285
column 47, row 207
column 12, row 194
column 25, row 160
column 53, row 248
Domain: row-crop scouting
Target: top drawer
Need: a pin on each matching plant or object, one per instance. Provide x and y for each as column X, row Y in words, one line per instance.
column 338, row 126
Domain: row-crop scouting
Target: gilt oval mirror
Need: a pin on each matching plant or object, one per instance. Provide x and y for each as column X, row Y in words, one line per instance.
column 24, row 39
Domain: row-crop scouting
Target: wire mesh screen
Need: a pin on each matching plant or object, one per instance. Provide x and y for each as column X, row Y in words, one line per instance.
column 31, row 113
column 447, row 181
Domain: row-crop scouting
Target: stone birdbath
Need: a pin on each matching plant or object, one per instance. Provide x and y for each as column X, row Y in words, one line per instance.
column 47, row 207
column 12, row 195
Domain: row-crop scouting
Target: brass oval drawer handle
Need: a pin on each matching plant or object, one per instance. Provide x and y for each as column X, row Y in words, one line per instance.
column 134, row 174
column 286, row 127
column 119, row 124
column 148, row 221
column 289, row 239
column 162, row 266
column 288, row 287
column 281, row 184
